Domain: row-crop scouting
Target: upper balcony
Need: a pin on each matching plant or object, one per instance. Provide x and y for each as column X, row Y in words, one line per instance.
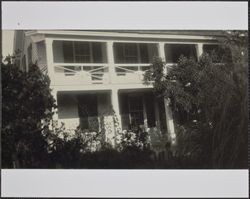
column 93, row 63
column 88, row 63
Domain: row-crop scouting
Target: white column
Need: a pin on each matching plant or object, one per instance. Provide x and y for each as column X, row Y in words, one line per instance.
column 115, row 105
column 168, row 111
column 162, row 55
column 199, row 49
column 169, row 121
column 145, row 118
column 50, row 61
column 111, row 62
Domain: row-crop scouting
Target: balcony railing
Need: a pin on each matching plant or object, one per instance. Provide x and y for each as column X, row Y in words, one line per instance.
column 130, row 73
column 81, row 73
column 87, row 74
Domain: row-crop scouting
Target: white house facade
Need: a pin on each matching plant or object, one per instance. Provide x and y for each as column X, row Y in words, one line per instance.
column 96, row 74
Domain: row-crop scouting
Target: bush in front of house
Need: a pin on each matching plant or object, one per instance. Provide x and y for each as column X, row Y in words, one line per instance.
column 27, row 108
column 85, row 149
column 209, row 103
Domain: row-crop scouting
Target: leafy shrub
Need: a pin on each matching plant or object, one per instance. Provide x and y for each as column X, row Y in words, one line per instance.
column 27, row 108
column 209, row 104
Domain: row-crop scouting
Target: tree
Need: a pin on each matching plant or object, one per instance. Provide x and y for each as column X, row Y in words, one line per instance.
column 209, row 102
column 27, row 108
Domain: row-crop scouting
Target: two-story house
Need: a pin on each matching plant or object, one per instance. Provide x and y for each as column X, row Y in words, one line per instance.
column 94, row 73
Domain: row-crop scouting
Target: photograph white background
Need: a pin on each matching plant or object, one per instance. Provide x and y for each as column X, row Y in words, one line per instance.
column 124, row 15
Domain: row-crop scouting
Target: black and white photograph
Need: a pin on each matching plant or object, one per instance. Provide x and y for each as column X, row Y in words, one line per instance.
column 124, row 99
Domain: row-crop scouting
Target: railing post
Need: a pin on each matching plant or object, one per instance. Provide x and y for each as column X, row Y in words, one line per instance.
column 111, row 62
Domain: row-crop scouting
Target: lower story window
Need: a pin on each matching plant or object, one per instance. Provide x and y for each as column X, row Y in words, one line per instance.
column 88, row 113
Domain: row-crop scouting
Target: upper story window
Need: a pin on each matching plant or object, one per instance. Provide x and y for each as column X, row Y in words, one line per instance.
column 216, row 52
column 82, row 52
column 134, row 52
column 79, row 52
column 174, row 51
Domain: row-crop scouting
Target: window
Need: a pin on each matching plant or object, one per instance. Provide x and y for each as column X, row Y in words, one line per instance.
column 82, row 52
column 136, row 110
column 98, row 52
column 130, row 53
column 134, row 52
column 144, row 53
column 79, row 52
column 174, row 51
column 87, row 110
column 68, row 53
column 126, row 53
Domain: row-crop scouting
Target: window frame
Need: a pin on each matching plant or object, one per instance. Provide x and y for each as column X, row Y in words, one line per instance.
column 82, row 54
column 138, row 57
column 140, row 111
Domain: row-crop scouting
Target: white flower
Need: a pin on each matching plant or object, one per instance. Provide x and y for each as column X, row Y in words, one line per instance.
column 195, row 121
column 188, row 84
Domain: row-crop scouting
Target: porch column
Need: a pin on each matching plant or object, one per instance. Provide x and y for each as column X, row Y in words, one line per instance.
column 168, row 111
column 145, row 118
column 111, row 62
column 115, row 105
column 50, row 61
column 199, row 49
column 162, row 55
column 169, row 121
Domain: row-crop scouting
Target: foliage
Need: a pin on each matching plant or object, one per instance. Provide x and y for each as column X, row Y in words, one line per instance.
column 26, row 109
column 134, row 138
column 209, row 102
column 67, row 147
column 83, row 148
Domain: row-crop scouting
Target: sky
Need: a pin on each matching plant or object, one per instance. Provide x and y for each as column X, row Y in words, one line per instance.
column 7, row 42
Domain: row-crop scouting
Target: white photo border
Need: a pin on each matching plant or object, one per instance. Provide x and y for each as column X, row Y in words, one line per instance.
column 125, row 15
